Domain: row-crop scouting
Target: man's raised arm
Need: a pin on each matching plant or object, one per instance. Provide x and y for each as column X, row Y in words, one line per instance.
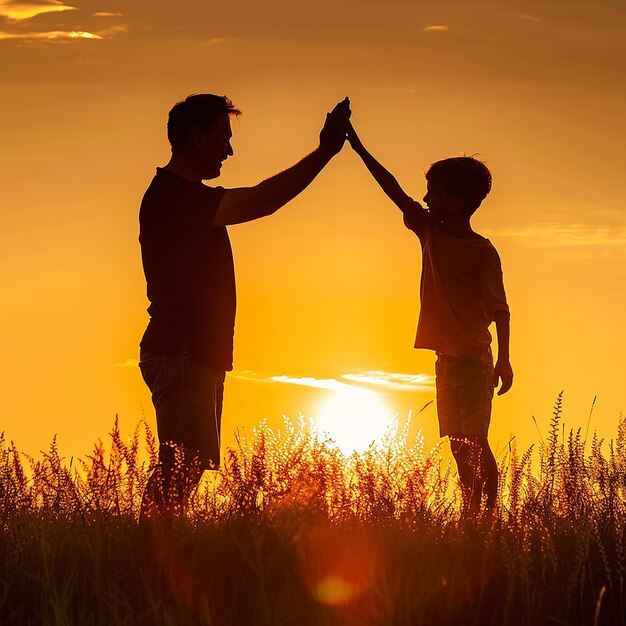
column 248, row 203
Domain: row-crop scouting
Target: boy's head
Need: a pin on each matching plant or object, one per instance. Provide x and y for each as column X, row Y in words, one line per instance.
column 457, row 186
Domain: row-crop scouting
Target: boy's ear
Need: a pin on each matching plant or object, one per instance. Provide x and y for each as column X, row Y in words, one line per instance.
column 458, row 204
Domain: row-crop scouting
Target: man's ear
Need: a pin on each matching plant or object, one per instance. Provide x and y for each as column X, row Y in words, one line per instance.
column 198, row 137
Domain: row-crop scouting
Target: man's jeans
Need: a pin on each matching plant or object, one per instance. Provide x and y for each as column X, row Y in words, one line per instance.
column 187, row 396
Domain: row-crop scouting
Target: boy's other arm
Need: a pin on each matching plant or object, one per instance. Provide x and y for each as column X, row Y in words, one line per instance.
column 248, row 203
column 382, row 176
column 503, row 370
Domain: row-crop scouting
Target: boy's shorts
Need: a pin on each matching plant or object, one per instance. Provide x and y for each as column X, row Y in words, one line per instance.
column 187, row 396
column 464, row 395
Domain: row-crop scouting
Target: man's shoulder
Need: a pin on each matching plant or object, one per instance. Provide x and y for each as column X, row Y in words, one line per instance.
column 168, row 189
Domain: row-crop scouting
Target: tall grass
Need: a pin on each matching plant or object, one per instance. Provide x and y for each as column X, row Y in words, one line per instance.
column 290, row 531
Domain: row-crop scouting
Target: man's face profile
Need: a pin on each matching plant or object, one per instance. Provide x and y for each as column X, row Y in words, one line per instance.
column 214, row 147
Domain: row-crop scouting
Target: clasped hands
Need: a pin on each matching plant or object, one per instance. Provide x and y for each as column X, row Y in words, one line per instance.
column 337, row 128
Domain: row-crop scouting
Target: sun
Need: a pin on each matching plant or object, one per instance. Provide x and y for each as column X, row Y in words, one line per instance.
column 353, row 419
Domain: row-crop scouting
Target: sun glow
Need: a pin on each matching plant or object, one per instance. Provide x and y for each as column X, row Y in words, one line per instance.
column 354, row 419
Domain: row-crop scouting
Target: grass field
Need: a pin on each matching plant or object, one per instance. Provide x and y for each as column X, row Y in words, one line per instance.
column 290, row 532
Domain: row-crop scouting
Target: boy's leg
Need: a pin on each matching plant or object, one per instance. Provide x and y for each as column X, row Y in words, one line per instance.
column 464, row 394
column 478, row 470
column 489, row 471
column 467, row 455
column 450, row 424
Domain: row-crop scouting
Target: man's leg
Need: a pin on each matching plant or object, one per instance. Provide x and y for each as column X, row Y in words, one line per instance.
column 172, row 481
column 187, row 396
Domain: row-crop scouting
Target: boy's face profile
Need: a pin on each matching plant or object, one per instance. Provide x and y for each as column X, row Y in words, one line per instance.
column 441, row 205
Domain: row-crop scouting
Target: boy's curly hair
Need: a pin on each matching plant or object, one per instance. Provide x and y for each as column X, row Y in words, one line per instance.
column 463, row 176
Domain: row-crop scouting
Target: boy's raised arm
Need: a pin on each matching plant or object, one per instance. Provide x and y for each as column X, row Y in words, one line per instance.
column 383, row 177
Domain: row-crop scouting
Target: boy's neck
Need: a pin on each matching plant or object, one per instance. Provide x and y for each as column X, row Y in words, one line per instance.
column 460, row 228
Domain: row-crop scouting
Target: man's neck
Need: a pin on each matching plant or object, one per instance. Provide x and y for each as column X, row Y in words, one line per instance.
column 182, row 166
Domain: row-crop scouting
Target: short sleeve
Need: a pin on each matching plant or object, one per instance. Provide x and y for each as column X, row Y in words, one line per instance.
column 492, row 284
column 416, row 218
column 199, row 204
column 204, row 201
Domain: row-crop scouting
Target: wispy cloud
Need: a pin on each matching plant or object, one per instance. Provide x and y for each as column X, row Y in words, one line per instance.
column 564, row 235
column 433, row 28
column 377, row 380
column 319, row 383
column 528, row 18
column 215, row 41
column 27, row 10
column 331, row 384
column 51, row 35
column 392, row 380
column 16, row 24
column 128, row 363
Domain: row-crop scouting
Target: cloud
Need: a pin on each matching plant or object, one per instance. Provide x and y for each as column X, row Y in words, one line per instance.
column 128, row 363
column 331, row 384
column 27, row 10
column 564, row 235
column 377, row 380
column 436, row 28
column 528, row 18
column 392, row 380
column 15, row 24
column 51, row 35
column 216, row 41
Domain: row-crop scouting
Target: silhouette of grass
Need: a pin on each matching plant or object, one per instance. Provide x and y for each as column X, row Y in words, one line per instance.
column 290, row 531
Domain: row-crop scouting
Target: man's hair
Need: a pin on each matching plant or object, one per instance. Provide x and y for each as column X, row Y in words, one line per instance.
column 462, row 176
column 200, row 110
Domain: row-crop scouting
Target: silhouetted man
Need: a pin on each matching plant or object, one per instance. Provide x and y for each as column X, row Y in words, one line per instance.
column 188, row 344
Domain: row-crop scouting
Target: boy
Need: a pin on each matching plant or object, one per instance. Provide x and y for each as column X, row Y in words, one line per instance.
column 461, row 293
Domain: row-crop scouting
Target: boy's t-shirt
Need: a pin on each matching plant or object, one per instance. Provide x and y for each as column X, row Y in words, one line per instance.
column 461, row 289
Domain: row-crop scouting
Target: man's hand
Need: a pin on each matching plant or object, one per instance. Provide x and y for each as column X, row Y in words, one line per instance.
column 333, row 135
column 504, row 372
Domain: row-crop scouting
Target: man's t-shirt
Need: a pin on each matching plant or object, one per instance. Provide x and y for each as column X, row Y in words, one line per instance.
column 188, row 264
column 460, row 291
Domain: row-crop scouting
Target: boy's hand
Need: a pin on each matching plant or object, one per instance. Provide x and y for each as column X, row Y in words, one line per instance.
column 333, row 135
column 354, row 140
column 504, row 372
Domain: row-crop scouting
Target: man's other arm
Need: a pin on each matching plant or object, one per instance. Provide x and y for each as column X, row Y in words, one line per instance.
column 249, row 203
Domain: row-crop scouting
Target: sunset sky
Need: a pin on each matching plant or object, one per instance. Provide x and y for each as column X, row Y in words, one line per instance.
column 328, row 288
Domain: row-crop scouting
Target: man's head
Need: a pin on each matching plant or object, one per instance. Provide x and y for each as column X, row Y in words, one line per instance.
column 456, row 186
column 199, row 128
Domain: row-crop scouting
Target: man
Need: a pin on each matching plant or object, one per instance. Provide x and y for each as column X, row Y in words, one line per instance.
column 187, row 259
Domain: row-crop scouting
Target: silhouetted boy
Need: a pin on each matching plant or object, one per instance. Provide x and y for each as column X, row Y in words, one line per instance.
column 461, row 293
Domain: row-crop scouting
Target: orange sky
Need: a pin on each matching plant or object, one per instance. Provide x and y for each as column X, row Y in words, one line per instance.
column 328, row 287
